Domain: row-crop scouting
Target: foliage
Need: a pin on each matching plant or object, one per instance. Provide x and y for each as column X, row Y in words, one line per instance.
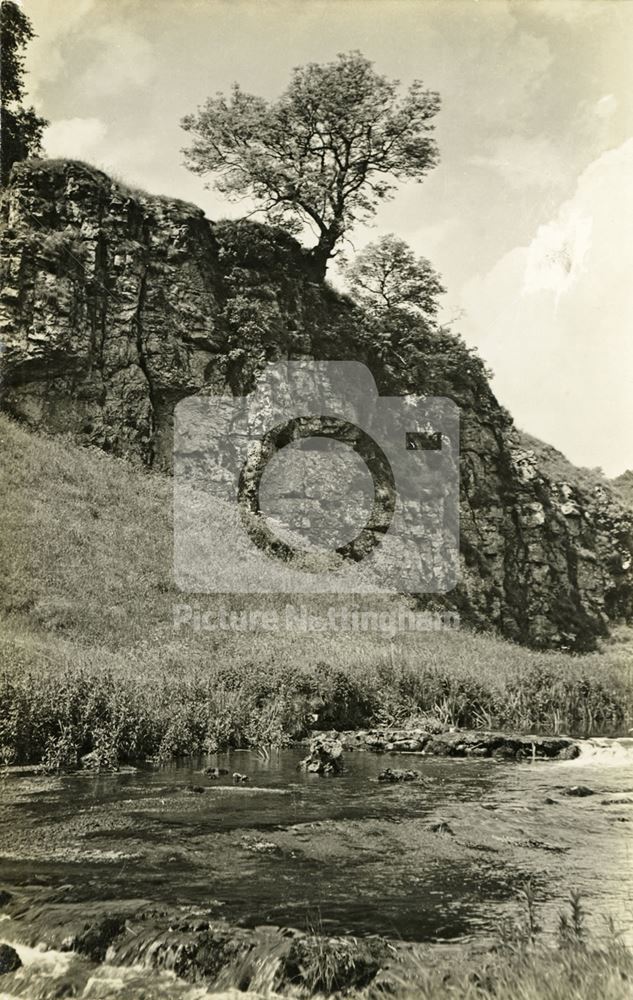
column 61, row 701
column 624, row 485
column 325, row 154
column 21, row 127
column 327, row 965
column 571, row 928
column 388, row 274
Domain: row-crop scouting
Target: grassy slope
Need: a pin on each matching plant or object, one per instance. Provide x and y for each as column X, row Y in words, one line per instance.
column 89, row 656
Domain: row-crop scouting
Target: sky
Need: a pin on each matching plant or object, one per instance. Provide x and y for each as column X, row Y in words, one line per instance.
column 528, row 217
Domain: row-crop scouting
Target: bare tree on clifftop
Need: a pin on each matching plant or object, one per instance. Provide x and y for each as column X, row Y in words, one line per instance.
column 325, row 154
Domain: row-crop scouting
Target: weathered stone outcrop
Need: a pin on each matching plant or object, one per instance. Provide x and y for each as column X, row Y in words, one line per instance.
column 461, row 743
column 117, row 304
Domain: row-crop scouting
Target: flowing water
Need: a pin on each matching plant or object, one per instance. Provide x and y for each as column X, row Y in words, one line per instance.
column 438, row 861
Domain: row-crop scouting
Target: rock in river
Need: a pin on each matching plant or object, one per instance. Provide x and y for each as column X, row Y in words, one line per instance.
column 394, row 775
column 325, row 757
column 9, row 959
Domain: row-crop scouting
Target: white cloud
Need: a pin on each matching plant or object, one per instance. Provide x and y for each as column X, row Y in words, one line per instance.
column 125, row 60
column 606, row 106
column 557, row 257
column 574, row 11
column 489, row 86
column 45, row 56
column 524, row 162
column 121, row 58
column 75, row 138
column 554, row 320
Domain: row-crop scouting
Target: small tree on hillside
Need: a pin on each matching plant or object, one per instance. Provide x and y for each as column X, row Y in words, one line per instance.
column 388, row 274
column 325, row 154
column 21, row 128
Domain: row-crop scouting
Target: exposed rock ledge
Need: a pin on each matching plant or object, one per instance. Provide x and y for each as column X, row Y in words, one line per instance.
column 193, row 943
column 462, row 743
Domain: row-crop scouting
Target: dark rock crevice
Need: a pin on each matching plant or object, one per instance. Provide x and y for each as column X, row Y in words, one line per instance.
column 137, row 325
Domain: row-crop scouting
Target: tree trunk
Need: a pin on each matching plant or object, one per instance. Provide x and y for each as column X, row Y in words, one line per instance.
column 323, row 251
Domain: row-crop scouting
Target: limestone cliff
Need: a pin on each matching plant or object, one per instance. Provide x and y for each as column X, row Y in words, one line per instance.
column 117, row 304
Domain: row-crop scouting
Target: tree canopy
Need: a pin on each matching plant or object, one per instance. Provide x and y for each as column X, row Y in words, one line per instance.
column 21, row 127
column 324, row 154
column 388, row 274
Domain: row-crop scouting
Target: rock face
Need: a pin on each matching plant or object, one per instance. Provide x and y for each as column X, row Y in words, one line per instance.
column 117, row 304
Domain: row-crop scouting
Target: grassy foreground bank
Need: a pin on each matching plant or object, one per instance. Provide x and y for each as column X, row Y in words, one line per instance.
column 540, row 973
column 524, row 966
column 90, row 658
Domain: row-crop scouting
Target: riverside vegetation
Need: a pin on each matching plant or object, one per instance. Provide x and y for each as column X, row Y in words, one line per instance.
column 91, row 661
column 522, row 967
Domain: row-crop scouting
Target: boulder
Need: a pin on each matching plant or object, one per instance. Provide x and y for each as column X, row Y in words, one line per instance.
column 570, row 752
column 9, row 959
column 325, row 757
column 441, row 826
column 99, row 760
column 396, row 775
column 375, row 743
column 577, row 791
column 95, row 939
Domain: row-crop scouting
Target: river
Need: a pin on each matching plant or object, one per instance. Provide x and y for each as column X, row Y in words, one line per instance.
column 439, row 861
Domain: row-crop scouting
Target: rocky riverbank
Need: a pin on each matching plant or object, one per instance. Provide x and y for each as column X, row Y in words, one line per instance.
column 459, row 743
column 191, row 943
